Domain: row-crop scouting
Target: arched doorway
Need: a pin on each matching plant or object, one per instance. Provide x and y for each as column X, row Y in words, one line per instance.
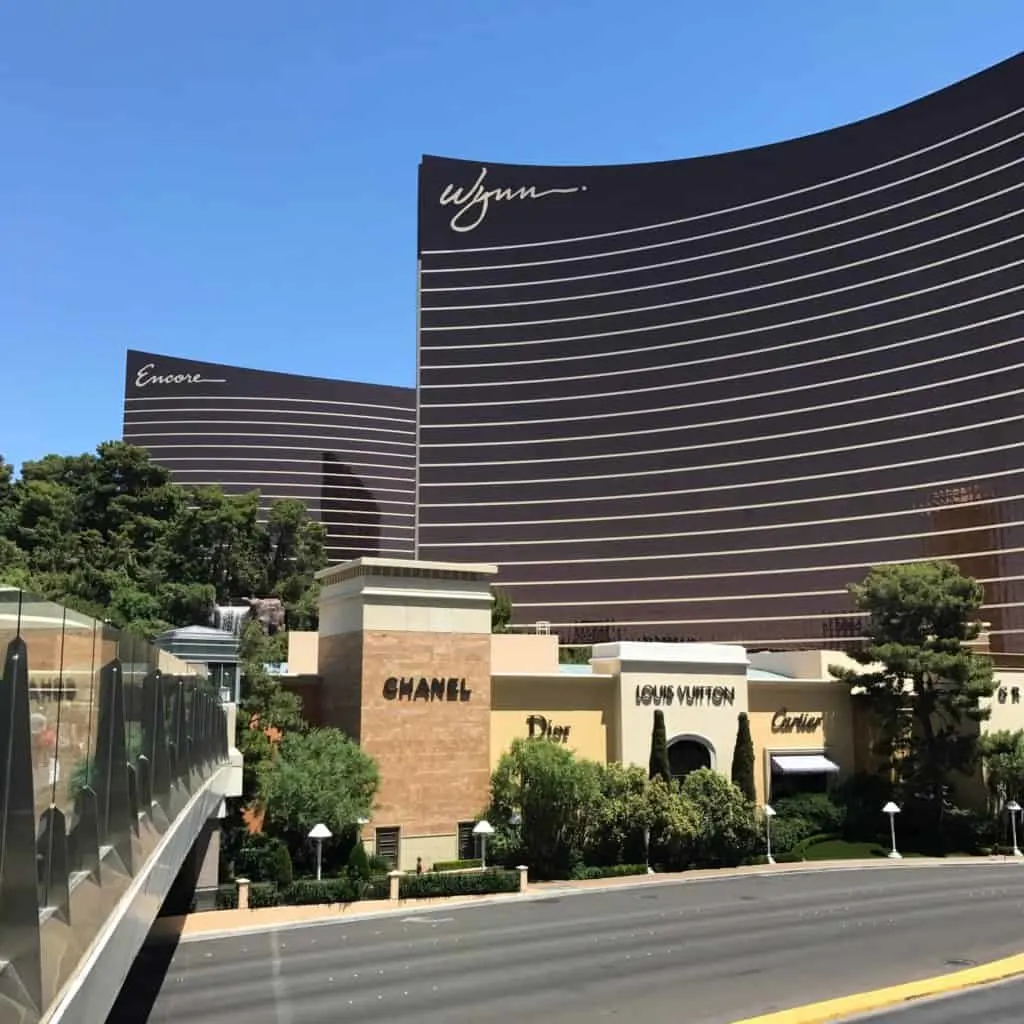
column 686, row 754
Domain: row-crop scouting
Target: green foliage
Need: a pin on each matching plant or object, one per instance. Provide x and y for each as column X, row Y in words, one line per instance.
column 659, row 764
column 616, row 822
column 110, row 535
column 1002, row 754
column 726, row 828
column 501, row 611
column 788, row 833
column 456, row 865
column 610, row 871
column 430, row 884
column 921, row 679
column 743, row 759
column 318, row 776
column 261, row 858
column 674, row 824
column 822, row 812
column 264, row 894
column 862, row 797
column 307, row 891
column 556, row 795
column 282, row 866
column 357, row 867
column 574, row 655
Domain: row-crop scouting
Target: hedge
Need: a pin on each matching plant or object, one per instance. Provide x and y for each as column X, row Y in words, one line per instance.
column 609, row 871
column 432, row 884
column 457, row 865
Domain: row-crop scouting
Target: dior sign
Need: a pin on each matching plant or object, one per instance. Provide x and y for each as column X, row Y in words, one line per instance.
column 712, row 696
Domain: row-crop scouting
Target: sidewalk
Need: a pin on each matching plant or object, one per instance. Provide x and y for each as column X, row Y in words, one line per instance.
column 221, row 923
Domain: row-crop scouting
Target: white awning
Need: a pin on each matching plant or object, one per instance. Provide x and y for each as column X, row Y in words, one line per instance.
column 804, row 764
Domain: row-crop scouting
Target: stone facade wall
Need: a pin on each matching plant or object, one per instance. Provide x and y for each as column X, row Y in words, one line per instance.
column 340, row 670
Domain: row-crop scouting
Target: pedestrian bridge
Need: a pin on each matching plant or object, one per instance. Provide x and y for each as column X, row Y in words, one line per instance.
column 114, row 757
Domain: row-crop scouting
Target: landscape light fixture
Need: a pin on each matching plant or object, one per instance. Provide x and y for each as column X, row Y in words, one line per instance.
column 769, row 813
column 1013, row 807
column 318, row 833
column 892, row 810
column 483, row 829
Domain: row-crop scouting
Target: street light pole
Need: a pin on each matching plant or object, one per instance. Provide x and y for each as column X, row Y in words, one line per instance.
column 769, row 813
column 318, row 833
column 1013, row 807
column 483, row 829
column 892, row 810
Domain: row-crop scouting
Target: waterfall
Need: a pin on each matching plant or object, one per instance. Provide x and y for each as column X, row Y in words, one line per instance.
column 230, row 617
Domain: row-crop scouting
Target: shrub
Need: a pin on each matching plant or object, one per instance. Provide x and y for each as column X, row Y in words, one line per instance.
column 610, row 871
column 329, row 890
column 818, row 809
column 789, row 832
column 431, row 884
column 378, row 865
column 743, row 759
column 281, row 866
column 727, row 831
column 358, row 865
column 264, row 894
column 227, row 897
column 259, row 858
column 862, row 797
column 456, row 865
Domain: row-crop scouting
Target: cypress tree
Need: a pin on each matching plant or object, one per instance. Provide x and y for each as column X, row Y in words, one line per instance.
column 743, row 759
column 659, row 766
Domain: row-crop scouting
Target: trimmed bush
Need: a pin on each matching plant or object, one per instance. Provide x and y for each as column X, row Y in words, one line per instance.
column 456, row 865
column 818, row 809
column 330, row 890
column 743, row 759
column 227, row 897
column 789, row 832
column 610, row 871
column 263, row 894
column 281, row 865
column 358, row 865
column 432, row 884
column 261, row 858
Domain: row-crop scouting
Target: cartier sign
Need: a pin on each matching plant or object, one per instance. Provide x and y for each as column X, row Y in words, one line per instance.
column 715, row 696
column 449, row 689
column 784, row 722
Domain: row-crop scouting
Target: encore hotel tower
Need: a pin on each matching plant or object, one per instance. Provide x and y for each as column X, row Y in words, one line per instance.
column 696, row 399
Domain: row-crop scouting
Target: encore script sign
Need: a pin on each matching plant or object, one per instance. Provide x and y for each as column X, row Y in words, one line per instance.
column 452, row 690
column 473, row 203
column 718, row 696
column 147, row 376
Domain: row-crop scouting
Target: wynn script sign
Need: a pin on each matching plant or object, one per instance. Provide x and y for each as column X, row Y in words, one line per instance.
column 473, row 203
column 147, row 375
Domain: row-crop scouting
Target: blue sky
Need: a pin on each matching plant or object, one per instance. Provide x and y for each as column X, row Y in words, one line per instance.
column 235, row 181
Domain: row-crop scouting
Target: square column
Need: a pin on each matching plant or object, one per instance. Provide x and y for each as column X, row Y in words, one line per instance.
column 405, row 663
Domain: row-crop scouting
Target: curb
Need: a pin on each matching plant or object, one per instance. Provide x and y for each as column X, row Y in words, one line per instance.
column 847, row 1007
column 555, row 890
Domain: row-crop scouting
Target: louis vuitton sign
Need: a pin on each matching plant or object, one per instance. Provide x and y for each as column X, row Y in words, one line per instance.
column 691, row 696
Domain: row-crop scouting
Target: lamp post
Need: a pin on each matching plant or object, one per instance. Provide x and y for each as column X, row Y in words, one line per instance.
column 892, row 810
column 515, row 819
column 769, row 813
column 483, row 829
column 1013, row 807
column 318, row 833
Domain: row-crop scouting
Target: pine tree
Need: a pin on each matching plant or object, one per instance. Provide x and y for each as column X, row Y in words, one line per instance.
column 743, row 759
column 659, row 766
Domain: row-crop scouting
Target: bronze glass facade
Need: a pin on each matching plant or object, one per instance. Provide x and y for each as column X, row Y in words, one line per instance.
column 695, row 399
column 346, row 450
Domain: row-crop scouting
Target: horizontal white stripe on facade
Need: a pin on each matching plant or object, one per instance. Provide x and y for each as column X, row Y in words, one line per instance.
column 823, row 272
column 274, row 448
column 275, row 399
column 736, row 313
column 733, row 574
column 636, row 496
column 718, row 509
column 262, row 434
column 803, row 524
column 738, row 400
column 735, row 441
column 805, row 190
column 780, row 368
column 732, row 250
column 815, row 453
column 273, row 424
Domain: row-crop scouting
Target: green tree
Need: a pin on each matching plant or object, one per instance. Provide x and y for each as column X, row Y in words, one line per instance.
column 1002, row 754
column 922, row 680
column 659, row 766
column 614, row 831
column 501, row 611
column 556, row 796
column 726, row 831
column 318, row 776
column 673, row 825
column 743, row 759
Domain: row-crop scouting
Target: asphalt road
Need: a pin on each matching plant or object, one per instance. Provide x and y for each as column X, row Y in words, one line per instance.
column 993, row 1004
column 703, row 952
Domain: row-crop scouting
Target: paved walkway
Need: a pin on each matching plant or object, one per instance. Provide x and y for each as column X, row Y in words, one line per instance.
column 218, row 922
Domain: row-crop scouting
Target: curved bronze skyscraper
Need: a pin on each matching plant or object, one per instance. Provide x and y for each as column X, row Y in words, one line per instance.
column 698, row 398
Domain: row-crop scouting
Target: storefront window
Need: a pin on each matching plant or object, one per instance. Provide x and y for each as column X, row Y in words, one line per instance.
column 685, row 756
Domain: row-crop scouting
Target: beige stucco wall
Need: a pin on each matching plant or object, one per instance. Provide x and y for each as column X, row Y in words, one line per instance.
column 303, row 647
column 582, row 705
column 715, row 669
column 524, row 653
column 833, row 735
